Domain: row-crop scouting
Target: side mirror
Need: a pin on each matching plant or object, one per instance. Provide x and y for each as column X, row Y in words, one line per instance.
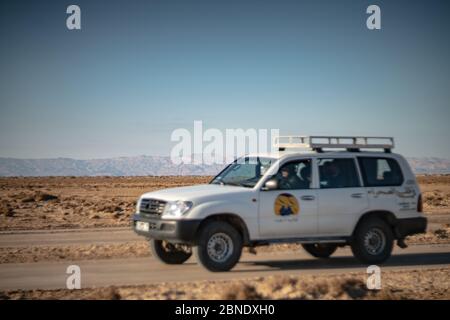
column 271, row 184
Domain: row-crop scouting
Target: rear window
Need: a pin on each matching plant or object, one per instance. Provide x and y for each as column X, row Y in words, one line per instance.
column 380, row 172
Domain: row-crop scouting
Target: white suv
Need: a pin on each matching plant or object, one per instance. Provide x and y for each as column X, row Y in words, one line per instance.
column 322, row 198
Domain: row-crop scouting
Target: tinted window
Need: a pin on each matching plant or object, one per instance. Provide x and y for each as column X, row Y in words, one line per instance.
column 338, row 173
column 380, row 172
column 295, row 175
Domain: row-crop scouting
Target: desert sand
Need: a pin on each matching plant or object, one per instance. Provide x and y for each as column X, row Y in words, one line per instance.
column 56, row 203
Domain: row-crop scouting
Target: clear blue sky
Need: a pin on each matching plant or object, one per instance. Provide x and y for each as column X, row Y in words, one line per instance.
column 139, row 69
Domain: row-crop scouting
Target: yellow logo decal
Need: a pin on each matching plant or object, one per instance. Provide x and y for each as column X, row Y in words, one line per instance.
column 286, row 204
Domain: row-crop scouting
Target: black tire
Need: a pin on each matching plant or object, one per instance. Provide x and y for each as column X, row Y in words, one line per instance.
column 320, row 250
column 225, row 246
column 372, row 241
column 169, row 253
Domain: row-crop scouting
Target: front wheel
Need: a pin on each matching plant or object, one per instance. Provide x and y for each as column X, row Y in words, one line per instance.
column 320, row 250
column 170, row 253
column 373, row 241
column 219, row 246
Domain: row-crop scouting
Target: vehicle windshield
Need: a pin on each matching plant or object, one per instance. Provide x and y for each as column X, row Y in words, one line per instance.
column 244, row 172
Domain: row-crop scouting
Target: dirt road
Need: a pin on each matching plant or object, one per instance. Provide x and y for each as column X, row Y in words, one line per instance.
column 67, row 237
column 136, row 271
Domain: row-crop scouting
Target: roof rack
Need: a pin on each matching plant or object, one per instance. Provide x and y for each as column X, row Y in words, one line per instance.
column 318, row 143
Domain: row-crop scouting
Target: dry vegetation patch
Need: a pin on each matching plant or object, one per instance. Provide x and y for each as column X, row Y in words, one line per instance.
column 74, row 252
column 396, row 285
column 76, row 202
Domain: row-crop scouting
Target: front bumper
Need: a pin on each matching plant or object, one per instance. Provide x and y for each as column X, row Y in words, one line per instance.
column 410, row 226
column 180, row 231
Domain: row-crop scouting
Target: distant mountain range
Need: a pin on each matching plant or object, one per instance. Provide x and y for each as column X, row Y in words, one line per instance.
column 429, row 165
column 149, row 165
column 122, row 166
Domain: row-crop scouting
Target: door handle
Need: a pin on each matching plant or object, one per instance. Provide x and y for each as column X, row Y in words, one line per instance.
column 357, row 195
column 307, row 198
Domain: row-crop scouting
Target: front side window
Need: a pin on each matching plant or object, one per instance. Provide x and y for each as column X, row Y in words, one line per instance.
column 295, row 175
column 378, row 172
column 338, row 173
column 244, row 172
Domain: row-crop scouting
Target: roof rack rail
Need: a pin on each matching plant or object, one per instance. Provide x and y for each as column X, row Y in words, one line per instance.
column 318, row 143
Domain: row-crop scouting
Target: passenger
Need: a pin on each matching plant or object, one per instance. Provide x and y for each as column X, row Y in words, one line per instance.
column 334, row 177
column 306, row 176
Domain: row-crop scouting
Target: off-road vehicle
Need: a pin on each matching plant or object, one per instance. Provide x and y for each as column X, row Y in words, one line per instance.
column 322, row 192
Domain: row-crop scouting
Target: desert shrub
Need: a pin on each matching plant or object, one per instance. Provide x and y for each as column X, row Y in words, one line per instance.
column 38, row 196
column 28, row 199
column 442, row 233
column 42, row 196
column 434, row 199
column 108, row 208
column 6, row 209
column 354, row 288
column 241, row 291
column 277, row 283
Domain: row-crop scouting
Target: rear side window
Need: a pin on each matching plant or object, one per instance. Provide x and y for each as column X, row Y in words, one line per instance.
column 380, row 172
column 338, row 173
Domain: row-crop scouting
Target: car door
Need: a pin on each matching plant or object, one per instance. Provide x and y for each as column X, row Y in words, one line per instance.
column 290, row 211
column 342, row 199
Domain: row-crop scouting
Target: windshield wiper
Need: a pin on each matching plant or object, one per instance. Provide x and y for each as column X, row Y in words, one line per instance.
column 236, row 184
column 222, row 183
column 232, row 184
column 240, row 184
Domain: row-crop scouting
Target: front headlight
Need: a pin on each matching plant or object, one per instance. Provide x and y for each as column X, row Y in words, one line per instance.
column 177, row 208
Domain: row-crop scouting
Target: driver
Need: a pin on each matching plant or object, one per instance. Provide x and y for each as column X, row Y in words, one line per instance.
column 289, row 178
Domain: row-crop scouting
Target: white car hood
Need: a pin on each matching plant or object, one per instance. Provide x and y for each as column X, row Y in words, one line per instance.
column 197, row 193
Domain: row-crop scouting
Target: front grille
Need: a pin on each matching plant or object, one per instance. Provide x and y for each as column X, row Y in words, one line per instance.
column 152, row 207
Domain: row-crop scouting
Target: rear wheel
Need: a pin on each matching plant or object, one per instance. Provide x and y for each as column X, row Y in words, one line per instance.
column 320, row 250
column 170, row 253
column 219, row 246
column 373, row 241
